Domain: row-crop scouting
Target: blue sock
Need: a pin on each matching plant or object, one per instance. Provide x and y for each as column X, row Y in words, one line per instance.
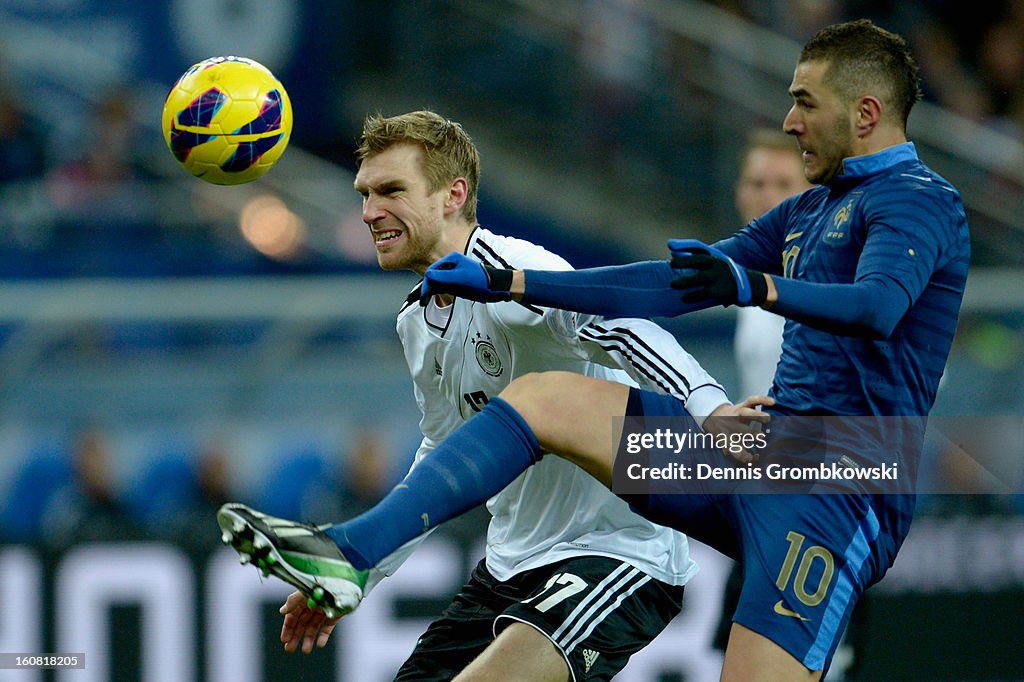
column 473, row 464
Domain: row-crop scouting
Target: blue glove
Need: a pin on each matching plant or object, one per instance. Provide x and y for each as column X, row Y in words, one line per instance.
column 466, row 278
column 709, row 274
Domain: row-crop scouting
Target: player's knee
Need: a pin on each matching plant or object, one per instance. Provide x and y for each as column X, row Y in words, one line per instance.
column 536, row 396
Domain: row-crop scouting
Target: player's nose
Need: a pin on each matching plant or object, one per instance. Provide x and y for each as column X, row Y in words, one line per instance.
column 792, row 124
column 372, row 212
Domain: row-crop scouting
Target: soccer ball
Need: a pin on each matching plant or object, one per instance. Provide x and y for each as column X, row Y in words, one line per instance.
column 227, row 120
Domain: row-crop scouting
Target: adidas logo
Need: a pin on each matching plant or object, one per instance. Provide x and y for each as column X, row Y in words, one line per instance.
column 589, row 657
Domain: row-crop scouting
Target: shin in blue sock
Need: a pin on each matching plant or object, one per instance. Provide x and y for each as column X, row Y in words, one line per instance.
column 474, row 463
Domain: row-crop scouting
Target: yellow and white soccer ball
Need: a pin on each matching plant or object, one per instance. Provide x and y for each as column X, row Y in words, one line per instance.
column 227, row 120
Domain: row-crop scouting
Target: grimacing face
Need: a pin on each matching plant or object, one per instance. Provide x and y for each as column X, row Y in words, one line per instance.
column 821, row 122
column 406, row 219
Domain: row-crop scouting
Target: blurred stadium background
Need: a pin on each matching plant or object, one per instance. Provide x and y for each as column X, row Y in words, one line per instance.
column 166, row 345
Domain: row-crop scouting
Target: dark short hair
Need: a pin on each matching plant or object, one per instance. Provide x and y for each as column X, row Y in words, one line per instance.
column 865, row 59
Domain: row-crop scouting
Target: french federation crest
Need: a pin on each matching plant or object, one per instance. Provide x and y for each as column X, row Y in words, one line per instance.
column 839, row 231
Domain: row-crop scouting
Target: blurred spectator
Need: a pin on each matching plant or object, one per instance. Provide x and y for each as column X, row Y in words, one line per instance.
column 972, row 466
column 368, row 466
column 1001, row 60
column 946, row 79
column 797, row 19
column 211, row 475
column 22, row 144
column 365, row 470
column 214, row 477
column 369, row 473
column 107, row 160
column 771, row 170
column 88, row 508
column 372, row 468
column 297, row 479
column 971, row 55
column 618, row 50
column 104, row 197
column 23, row 163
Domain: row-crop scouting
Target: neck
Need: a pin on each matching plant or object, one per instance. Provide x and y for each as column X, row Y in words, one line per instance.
column 878, row 140
column 457, row 240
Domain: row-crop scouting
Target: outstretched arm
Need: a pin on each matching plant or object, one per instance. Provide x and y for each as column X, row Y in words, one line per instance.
column 635, row 290
column 871, row 307
column 697, row 277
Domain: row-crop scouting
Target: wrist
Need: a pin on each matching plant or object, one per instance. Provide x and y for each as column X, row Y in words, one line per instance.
column 498, row 279
column 758, row 288
column 772, row 295
column 518, row 286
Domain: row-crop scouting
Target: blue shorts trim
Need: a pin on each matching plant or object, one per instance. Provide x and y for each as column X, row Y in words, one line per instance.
column 838, row 611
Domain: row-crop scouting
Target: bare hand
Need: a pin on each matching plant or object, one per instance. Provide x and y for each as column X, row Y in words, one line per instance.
column 305, row 625
column 742, row 418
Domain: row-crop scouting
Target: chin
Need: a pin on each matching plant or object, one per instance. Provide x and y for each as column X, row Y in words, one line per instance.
column 818, row 176
column 386, row 263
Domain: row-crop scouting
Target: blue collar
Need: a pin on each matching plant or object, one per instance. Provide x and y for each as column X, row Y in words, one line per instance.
column 864, row 166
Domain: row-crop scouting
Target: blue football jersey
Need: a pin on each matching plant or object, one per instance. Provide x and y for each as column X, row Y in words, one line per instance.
column 886, row 215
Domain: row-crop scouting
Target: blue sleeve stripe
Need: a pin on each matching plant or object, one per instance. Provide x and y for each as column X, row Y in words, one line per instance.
column 935, row 329
column 855, row 555
column 944, row 304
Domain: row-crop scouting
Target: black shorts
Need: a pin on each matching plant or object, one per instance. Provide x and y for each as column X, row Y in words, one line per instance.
column 597, row 611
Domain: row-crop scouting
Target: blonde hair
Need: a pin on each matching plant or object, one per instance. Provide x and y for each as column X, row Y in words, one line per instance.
column 449, row 152
column 769, row 138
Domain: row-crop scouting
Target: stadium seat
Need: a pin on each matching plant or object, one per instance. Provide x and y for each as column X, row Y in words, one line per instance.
column 299, row 473
column 164, row 493
column 46, row 472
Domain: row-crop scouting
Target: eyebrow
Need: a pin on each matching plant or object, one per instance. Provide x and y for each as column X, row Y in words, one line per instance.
column 379, row 187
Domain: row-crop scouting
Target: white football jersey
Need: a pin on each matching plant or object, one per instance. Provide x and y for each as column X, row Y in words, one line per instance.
column 758, row 345
column 462, row 355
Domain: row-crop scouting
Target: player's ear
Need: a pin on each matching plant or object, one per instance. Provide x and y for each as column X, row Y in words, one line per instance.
column 869, row 114
column 457, row 193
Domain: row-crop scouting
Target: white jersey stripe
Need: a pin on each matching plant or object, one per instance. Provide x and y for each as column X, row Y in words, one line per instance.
column 600, row 601
column 597, row 592
column 597, row 619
